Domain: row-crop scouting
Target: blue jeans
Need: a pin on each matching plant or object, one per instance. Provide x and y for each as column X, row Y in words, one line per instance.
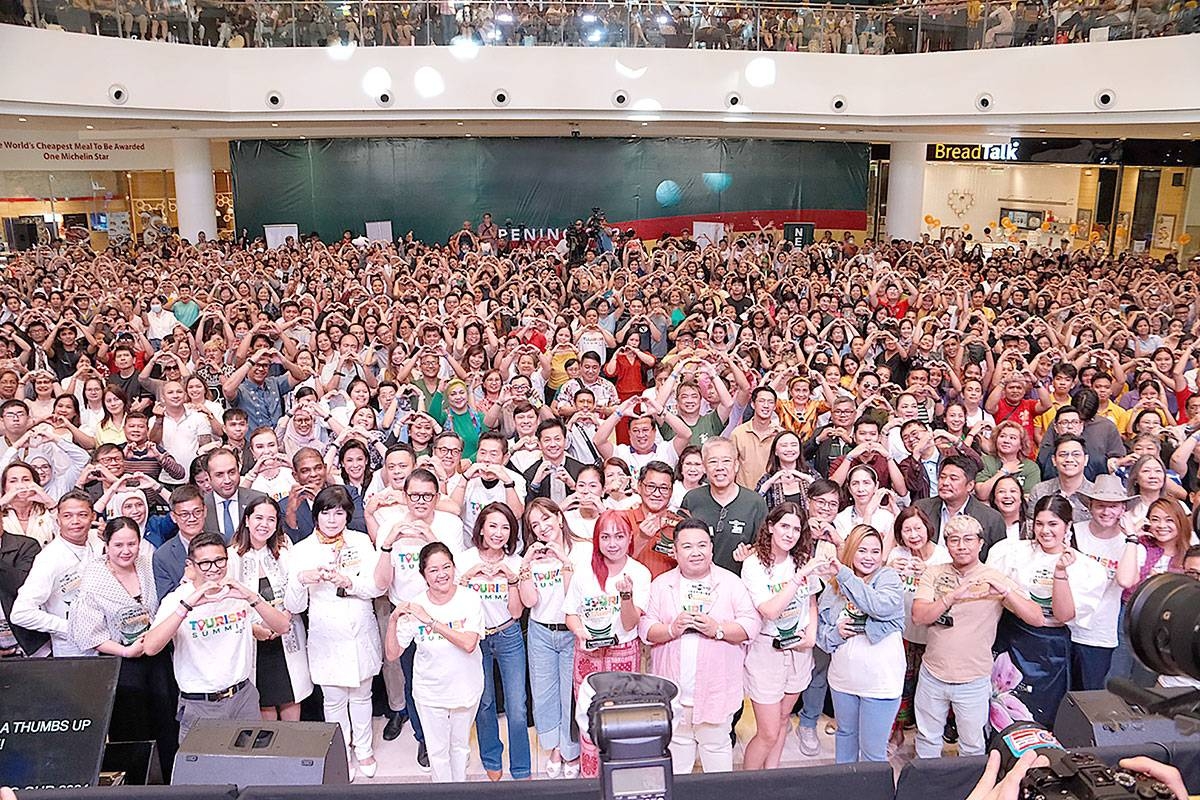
column 813, row 698
column 551, row 671
column 863, row 725
column 406, row 664
column 507, row 648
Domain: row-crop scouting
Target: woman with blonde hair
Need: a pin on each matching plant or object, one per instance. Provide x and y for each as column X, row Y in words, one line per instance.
column 861, row 620
column 1010, row 444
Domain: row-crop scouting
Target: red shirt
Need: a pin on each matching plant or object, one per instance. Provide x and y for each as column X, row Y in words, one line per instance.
column 1023, row 413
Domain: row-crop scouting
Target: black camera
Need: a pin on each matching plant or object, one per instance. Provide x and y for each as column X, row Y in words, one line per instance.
column 1069, row 776
column 630, row 721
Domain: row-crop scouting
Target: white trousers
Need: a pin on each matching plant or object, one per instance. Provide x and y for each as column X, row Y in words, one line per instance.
column 351, row 708
column 447, row 740
column 716, row 750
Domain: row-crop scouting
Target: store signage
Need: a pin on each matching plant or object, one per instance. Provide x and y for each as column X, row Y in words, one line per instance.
column 66, row 152
column 973, row 152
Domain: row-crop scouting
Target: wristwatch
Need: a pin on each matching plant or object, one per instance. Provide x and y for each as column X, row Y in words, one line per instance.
column 720, row 637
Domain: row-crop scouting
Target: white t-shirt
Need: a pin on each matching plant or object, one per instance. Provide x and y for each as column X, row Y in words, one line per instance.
column 477, row 496
column 44, row 600
column 910, row 567
column 1032, row 569
column 868, row 670
column 275, row 488
column 764, row 583
column 662, row 451
column 1106, row 553
column 599, row 607
column 547, row 574
column 882, row 521
column 214, row 645
column 444, row 675
column 492, row 589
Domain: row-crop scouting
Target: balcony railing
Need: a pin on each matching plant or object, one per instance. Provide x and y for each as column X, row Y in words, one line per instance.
column 915, row 27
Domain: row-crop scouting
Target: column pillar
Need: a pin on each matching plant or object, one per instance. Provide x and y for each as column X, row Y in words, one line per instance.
column 906, row 189
column 195, row 194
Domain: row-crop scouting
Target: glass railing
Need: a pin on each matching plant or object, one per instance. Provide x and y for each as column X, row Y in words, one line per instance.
column 914, row 27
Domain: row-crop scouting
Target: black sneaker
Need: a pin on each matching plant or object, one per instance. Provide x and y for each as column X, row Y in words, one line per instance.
column 422, row 755
column 950, row 735
column 395, row 725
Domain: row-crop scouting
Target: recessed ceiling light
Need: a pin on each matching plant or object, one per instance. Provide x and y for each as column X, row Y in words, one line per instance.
column 468, row 136
column 21, row 119
column 90, row 127
column 303, row 137
column 1185, row 133
column 822, row 127
column 274, row 124
column 460, row 123
column 1041, row 130
column 644, row 124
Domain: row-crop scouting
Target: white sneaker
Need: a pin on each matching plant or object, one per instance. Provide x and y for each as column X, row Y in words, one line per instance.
column 810, row 745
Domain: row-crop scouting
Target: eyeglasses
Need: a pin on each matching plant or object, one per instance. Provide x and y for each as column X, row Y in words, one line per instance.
column 1069, row 456
column 190, row 514
column 447, row 451
column 657, row 488
column 824, row 503
column 208, row 565
column 954, row 541
column 421, row 497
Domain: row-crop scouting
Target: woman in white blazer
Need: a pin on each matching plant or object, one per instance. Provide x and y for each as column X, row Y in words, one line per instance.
column 332, row 576
column 281, row 672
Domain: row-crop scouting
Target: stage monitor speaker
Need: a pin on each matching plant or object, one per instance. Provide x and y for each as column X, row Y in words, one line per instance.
column 262, row 754
column 1101, row 719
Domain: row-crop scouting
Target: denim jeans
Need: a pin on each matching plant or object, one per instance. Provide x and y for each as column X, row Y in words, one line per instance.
column 507, row 648
column 863, row 725
column 932, row 703
column 551, row 665
column 406, row 663
column 813, row 698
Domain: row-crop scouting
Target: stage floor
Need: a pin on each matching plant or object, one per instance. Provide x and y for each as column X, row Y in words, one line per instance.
column 398, row 759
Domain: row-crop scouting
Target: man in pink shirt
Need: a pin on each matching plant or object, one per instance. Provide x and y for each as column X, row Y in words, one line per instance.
column 699, row 613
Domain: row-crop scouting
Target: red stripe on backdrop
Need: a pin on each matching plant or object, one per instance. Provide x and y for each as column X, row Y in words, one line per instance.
column 821, row 218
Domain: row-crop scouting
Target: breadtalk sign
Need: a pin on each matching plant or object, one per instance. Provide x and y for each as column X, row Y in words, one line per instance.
column 973, row 152
column 68, row 153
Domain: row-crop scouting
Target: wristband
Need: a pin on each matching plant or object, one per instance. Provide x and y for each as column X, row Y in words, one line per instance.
column 385, row 549
column 509, row 485
column 257, row 600
column 626, row 595
column 187, row 605
column 1131, row 540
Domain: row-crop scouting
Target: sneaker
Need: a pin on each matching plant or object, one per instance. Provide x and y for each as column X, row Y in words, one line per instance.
column 422, row 755
column 810, row 745
column 395, row 725
column 950, row 734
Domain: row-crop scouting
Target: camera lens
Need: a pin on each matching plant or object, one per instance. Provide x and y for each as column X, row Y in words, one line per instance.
column 1163, row 627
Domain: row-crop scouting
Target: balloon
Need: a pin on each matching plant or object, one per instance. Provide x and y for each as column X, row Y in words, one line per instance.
column 1005, row 221
column 937, row 223
column 1095, row 235
column 1072, row 229
column 1045, row 226
column 992, row 224
column 1185, row 238
column 668, row 194
column 929, row 219
column 966, row 227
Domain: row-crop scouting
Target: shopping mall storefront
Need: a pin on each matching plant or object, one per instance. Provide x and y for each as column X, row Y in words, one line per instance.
column 1129, row 194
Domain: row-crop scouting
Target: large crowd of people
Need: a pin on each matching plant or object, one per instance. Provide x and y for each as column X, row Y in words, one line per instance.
column 849, row 472
column 871, row 29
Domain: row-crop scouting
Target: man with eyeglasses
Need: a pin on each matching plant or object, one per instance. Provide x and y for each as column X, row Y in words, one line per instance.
column 652, row 521
column 1101, row 439
column 961, row 602
column 835, row 439
column 170, row 560
column 210, row 618
column 1070, row 456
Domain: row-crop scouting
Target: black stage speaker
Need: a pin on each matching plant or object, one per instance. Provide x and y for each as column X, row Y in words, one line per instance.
column 1101, row 719
column 262, row 754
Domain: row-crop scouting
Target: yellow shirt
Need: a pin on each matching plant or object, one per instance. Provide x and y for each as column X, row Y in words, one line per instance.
column 1120, row 417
